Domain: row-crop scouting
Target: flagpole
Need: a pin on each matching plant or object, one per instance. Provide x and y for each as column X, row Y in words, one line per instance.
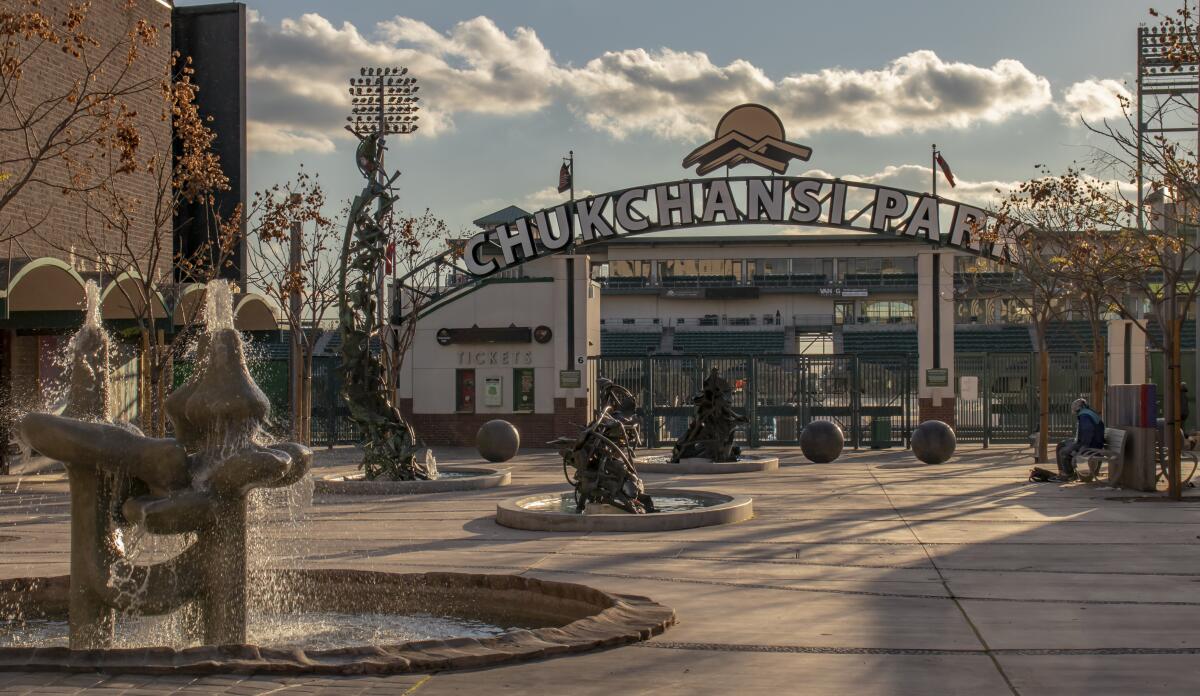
column 933, row 168
column 571, row 166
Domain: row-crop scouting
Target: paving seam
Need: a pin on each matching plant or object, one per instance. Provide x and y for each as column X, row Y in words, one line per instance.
column 812, row 590
column 726, row 542
column 962, row 610
column 828, row 650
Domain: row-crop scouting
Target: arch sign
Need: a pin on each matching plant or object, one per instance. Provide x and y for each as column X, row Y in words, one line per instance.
column 747, row 134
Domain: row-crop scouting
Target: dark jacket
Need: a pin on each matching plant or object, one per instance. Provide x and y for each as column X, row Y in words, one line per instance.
column 1090, row 432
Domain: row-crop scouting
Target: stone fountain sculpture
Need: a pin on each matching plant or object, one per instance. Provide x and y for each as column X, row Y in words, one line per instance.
column 714, row 422
column 602, row 456
column 197, row 482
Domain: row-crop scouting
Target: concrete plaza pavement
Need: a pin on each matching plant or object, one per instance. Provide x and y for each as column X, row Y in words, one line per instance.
column 868, row 576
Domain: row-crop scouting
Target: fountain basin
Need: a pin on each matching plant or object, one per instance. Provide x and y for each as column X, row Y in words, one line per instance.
column 662, row 464
column 681, row 509
column 452, row 478
column 552, row 618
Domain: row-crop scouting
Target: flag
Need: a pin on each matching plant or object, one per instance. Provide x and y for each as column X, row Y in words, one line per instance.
column 945, row 169
column 564, row 178
column 389, row 258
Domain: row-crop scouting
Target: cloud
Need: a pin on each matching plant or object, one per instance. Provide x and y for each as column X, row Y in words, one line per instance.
column 548, row 197
column 268, row 137
column 683, row 95
column 916, row 177
column 1093, row 100
column 298, row 70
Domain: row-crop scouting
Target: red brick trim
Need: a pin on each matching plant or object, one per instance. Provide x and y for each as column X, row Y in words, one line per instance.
column 459, row 429
column 945, row 412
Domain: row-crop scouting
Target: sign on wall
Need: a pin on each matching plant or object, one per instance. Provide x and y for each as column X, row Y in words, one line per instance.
column 493, row 394
column 497, row 358
column 570, row 379
column 937, row 377
column 968, row 387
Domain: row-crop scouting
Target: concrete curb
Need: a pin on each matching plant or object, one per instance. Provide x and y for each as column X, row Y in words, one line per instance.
column 657, row 464
column 484, row 477
column 511, row 513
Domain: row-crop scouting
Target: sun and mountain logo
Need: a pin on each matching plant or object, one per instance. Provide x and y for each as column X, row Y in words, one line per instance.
column 747, row 134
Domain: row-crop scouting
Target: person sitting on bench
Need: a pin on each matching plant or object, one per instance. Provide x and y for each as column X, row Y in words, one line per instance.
column 1089, row 434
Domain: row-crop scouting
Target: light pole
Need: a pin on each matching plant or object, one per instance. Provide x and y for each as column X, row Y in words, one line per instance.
column 383, row 101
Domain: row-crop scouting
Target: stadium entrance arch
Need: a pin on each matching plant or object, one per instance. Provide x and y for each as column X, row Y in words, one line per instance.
column 747, row 135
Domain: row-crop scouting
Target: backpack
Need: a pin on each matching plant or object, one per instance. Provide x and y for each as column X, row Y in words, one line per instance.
column 1040, row 475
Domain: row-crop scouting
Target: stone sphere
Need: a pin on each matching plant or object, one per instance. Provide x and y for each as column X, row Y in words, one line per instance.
column 498, row 441
column 933, row 442
column 822, row 441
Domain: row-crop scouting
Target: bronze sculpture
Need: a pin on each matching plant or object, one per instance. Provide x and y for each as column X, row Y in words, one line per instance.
column 714, row 423
column 196, row 483
column 602, row 455
column 389, row 444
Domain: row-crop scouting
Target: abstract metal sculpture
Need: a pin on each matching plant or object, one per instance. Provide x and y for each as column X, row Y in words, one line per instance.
column 602, row 456
column 384, row 102
column 710, row 434
column 196, row 483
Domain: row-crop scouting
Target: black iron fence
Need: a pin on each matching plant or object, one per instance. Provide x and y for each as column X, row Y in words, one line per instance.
column 872, row 397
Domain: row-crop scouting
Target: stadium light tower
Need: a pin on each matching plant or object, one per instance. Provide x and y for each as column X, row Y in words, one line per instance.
column 383, row 101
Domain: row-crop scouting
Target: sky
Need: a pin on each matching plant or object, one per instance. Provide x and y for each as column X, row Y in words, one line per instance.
column 507, row 88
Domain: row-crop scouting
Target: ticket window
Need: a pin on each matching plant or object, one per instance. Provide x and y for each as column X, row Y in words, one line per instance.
column 523, row 390
column 464, row 391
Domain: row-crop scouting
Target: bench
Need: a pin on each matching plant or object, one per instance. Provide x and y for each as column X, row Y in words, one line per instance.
column 1112, row 454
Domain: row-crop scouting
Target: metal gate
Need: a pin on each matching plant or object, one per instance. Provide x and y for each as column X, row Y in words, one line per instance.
column 1005, row 407
column 331, row 424
column 870, row 397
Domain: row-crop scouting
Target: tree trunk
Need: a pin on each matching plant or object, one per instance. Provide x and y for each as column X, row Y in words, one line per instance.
column 145, row 392
column 1099, row 369
column 306, row 399
column 1043, row 443
column 1171, row 339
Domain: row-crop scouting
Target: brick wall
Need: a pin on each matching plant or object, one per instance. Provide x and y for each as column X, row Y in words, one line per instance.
column 61, row 220
column 945, row 412
column 459, row 429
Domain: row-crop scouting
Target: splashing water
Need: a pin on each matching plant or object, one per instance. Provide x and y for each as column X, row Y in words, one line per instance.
column 218, row 306
column 91, row 292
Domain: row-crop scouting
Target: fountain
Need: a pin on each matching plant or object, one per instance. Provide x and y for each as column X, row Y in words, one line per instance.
column 195, row 484
column 609, row 495
column 707, row 445
column 195, row 488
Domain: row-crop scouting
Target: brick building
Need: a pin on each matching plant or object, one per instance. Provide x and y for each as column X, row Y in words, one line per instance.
column 44, row 260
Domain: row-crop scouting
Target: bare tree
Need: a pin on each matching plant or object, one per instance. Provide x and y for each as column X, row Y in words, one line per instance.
column 413, row 243
column 1162, row 239
column 1027, row 225
column 1088, row 250
column 51, row 130
column 293, row 260
column 128, row 238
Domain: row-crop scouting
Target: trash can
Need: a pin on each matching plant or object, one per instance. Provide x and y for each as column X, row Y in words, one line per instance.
column 881, row 432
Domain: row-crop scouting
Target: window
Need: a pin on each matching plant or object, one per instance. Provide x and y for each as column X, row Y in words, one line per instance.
column 888, row 311
column 629, row 269
column 769, row 267
column 464, row 391
column 523, row 389
column 901, row 265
